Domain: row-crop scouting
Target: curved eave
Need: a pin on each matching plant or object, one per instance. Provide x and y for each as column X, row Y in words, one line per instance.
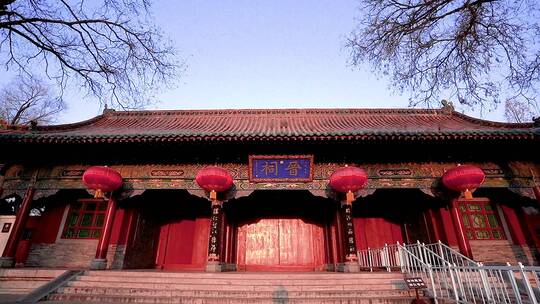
column 520, row 135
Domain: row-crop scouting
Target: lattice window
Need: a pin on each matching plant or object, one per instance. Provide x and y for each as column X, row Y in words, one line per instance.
column 481, row 221
column 85, row 219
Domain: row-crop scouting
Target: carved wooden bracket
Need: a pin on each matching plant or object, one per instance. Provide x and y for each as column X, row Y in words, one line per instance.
column 11, row 192
column 243, row 193
column 525, row 192
column 428, row 191
column 365, row 192
column 42, row 193
column 318, row 192
column 198, row 192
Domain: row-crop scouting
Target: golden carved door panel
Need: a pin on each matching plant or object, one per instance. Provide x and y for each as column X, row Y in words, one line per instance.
column 262, row 242
column 273, row 244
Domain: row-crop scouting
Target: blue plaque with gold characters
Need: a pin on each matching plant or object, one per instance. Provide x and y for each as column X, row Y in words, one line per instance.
column 281, row 168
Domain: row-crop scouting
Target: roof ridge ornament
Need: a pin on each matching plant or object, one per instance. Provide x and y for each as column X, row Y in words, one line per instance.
column 33, row 125
column 106, row 110
column 447, row 106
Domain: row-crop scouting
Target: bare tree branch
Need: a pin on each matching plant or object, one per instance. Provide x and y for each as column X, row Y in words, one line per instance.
column 29, row 99
column 110, row 47
column 470, row 50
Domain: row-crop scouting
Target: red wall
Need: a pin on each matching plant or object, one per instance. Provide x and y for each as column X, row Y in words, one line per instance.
column 533, row 223
column 513, row 221
column 47, row 225
column 122, row 222
column 522, row 226
column 448, row 234
column 375, row 232
column 44, row 229
column 183, row 244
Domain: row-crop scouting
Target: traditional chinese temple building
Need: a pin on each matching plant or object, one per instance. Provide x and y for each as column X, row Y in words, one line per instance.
column 279, row 213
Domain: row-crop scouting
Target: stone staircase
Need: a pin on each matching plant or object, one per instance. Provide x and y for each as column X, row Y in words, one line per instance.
column 15, row 283
column 24, row 280
column 234, row 287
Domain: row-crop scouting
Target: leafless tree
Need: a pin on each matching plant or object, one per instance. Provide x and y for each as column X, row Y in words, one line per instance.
column 519, row 111
column 111, row 47
column 478, row 52
column 28, row 99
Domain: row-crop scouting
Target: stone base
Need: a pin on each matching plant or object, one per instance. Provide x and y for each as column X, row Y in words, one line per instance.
column 228, row 267
column 214, row 266
column 7, row 262
column 98, row 264
column 348, row 267
column 330, row 267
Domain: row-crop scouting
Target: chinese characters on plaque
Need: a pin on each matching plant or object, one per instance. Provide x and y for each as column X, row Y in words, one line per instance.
column 281, row 168
column 349, row 230
column 215, row 222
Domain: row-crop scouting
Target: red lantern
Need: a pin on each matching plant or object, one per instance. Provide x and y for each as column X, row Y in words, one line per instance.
column 464, row 178
column 102, row 179
column 347, row 180
column 214, row 179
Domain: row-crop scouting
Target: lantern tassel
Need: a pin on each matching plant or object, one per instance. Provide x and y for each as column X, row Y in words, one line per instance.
column 213, row 195
column 98, row 193
column 350, row 197
column 468, row 194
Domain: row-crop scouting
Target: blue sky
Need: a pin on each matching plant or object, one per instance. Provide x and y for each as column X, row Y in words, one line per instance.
column 263, row 54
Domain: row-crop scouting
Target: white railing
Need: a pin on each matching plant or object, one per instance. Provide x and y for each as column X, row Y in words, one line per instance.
column 386, row 257
column 451, row 276
column 449, row 254
column 495, row 284
column 414, row 266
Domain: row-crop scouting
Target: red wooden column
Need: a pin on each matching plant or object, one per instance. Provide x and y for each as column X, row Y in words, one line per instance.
column 349, row 239
column 8, row 256
column 339, row 245
column 214, row 263
column 436, row 234
column 100, row 260
column 463, row 242
column 229, row 243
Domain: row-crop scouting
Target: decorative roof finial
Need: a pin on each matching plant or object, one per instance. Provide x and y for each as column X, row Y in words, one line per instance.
column 447, row 106
column 106, row 109
column 33, row 125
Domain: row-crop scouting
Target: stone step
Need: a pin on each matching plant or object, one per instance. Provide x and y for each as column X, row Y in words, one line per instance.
column 218, row 286
column 30, row 272
column 234, row 287
column 235, row 294
column 211, row 300
column 24, row 280
column 29, row 283
column 244, row 281
column 246, row 275
column 15, row 290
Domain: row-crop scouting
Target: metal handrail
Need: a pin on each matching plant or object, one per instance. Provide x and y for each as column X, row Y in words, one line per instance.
column 454, row 277
column 383, row 258
column 414, row 266
column 450, row 254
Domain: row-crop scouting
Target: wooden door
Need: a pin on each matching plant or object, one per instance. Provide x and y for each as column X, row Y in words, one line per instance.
column 280, row 244
column 141, row 247
column 415, row 228
column 183, row 244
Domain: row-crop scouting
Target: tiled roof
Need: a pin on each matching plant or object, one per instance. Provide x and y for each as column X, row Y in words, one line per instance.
column 276, row 124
